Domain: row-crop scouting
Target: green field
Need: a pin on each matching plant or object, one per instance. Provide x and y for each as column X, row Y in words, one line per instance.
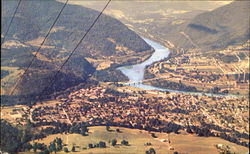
column 182, row 143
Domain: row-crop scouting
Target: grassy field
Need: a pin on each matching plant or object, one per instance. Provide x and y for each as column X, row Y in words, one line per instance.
column 183, row 143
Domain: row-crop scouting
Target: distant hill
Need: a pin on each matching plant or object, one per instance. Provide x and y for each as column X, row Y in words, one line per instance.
column 215, row 29
column 187, row 24
column 157, row 20
column 108, row 40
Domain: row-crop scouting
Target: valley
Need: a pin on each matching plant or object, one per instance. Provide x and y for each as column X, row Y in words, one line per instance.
column 150, row 77
column 190, row 61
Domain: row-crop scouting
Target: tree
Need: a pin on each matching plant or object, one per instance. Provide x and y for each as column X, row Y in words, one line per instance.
column 97, row 145
column 108, row 128
column 189, row 130
column 59, row 147
column 58, row 141
column 225, row 91
column 40, row 146
column 102, row 144
column 90, row 145
column 71, row 130
column 215, row 90
column 153, row 135
column 124, row 142
column 59, row 144
column 35, row 147
column 152, row 151
column 73, row 149
column 52, row 147
column 46, row 151
column 83, row 132
column 113, row 142
column 65, row 149
column 27, row 146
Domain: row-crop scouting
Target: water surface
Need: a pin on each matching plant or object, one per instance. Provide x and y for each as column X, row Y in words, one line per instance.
column 135, row 73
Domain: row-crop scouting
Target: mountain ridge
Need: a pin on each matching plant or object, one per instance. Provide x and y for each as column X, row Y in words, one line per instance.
column 216, row 29
column 28, row 29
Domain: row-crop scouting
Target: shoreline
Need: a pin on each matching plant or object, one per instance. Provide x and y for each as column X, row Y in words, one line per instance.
column 137, row 82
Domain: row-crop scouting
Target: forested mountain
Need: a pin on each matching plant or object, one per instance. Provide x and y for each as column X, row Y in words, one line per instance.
column 215, row 29
column 187, row 24
column 157, row 20
column 108, row 40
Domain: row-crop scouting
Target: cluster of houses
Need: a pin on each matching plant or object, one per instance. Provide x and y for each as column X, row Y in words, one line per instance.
column 96, row 107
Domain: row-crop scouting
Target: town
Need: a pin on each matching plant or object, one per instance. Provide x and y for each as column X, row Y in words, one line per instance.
column 221, row 116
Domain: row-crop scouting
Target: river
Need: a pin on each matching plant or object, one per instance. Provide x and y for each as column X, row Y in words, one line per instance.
column 135, row 73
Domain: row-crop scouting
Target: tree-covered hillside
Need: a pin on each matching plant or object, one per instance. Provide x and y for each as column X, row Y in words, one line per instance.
column 109, row 40
column 217, row 29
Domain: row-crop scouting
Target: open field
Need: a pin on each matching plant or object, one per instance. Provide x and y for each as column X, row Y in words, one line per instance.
column 183, row 143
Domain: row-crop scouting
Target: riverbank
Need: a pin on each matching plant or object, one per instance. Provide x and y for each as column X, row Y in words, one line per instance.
column 136, row 75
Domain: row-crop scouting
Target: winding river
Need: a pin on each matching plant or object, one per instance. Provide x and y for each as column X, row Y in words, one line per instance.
column 135, row 73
